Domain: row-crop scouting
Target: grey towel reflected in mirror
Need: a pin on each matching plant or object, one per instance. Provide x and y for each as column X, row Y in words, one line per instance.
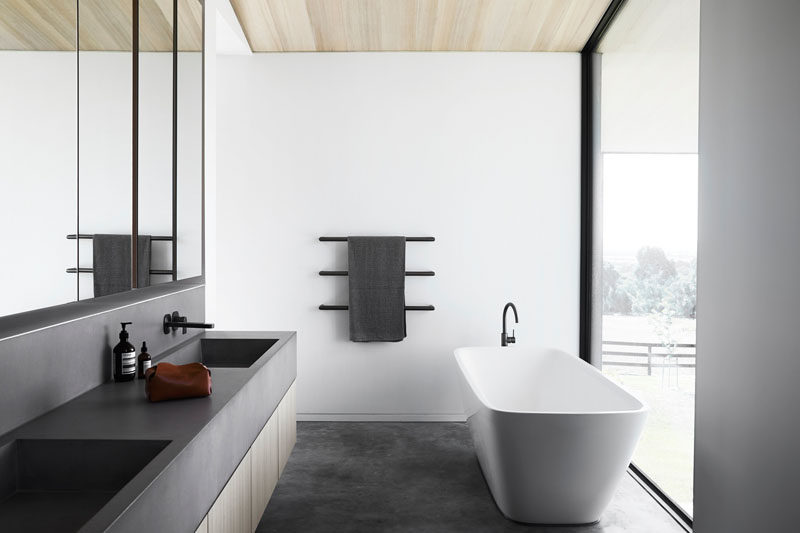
column 111, row 256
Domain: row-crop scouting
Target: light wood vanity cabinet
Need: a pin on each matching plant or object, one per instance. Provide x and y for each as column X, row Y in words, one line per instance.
column 231, row 512
column 287, row 428
column 241, row 503
column 264, row 464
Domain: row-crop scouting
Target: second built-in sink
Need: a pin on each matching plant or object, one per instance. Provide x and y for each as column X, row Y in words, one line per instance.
column 233, row 353
column 59, row 484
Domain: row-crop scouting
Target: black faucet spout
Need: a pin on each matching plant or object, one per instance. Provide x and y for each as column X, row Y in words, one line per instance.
column 175, row 321
column 505, row 339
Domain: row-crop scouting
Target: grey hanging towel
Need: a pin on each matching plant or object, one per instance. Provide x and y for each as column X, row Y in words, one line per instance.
column 111, row 255
column 377, row 274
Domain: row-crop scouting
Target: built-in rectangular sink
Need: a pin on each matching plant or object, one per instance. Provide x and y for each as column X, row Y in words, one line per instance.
column 233, row 353
column 58, row 484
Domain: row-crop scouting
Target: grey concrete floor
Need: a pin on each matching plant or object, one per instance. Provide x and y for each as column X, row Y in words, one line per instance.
column 420, row 477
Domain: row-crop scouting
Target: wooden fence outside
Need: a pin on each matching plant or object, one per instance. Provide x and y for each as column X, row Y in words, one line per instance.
column 649, row 355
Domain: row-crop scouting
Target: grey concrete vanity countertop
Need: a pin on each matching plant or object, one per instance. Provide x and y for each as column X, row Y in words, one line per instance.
column 208, row 436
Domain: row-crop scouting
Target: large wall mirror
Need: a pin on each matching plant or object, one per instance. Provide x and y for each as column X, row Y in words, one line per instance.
column 105, row 88
column 38, row 156
column 189, row 199
column 155, row 168
column 100, row 148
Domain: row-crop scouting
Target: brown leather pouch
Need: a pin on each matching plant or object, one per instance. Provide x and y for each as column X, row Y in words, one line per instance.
column 166, row 381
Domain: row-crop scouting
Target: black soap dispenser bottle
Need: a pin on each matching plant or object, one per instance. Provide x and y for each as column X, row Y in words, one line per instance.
column 124, row 357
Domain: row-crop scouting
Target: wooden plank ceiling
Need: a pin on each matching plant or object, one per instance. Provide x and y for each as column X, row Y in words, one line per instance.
column 105, row 25
column 420, row 25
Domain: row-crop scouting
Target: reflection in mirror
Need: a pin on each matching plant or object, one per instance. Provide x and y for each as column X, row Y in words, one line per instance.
column 105, row 161
column 190, row 139
column 38, row 141
column 155, row 141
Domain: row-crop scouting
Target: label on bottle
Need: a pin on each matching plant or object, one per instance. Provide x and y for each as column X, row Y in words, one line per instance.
column 128, row 363
column 146, row 364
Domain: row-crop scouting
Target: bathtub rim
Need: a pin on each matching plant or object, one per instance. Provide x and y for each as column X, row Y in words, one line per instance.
column 643, row 407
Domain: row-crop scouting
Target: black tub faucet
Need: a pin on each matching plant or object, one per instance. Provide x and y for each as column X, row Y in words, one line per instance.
column 175, row 321
column 505, row 340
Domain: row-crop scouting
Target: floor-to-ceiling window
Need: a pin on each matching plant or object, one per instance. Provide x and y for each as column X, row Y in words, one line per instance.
column 648, row 170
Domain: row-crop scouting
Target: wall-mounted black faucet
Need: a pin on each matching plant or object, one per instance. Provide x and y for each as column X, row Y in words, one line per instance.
column 505, row 340
column 175, row 320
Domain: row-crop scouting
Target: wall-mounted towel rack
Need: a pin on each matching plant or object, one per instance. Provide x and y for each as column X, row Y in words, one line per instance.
column 412, row 273
column 72, row 236
column 408, row 273
column 408, row 239
column 324, row 307
column 84, row 270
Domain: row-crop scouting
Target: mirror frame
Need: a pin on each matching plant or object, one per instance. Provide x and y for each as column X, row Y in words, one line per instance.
column 35, row 320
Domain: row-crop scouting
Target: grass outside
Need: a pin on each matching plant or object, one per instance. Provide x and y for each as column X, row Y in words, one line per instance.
column 666, row 450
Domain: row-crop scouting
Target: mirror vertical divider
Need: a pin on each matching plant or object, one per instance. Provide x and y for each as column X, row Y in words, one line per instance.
column 175, row 50
column 77, row 149
column 135, row 144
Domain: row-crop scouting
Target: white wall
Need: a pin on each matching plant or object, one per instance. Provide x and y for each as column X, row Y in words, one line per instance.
column 479, row 150
column 748, row 301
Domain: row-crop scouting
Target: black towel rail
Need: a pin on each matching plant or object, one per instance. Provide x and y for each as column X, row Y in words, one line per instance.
column 72, row 236
column 84, row 270
column 324, row 307
column 408, row 239
column 408, row 273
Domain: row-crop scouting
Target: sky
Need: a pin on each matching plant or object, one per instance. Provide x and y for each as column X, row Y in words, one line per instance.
column 649, row 200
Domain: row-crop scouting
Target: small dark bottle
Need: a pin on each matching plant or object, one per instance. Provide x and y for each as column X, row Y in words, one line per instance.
column 145, row 361
column 124, row 357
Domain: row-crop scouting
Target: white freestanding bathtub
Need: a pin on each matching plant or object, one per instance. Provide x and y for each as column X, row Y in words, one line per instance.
column 552, row 434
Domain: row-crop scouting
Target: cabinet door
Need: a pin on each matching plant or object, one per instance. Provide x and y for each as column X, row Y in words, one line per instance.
column 264, row 457
column 287, row 427
column 231, row 512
